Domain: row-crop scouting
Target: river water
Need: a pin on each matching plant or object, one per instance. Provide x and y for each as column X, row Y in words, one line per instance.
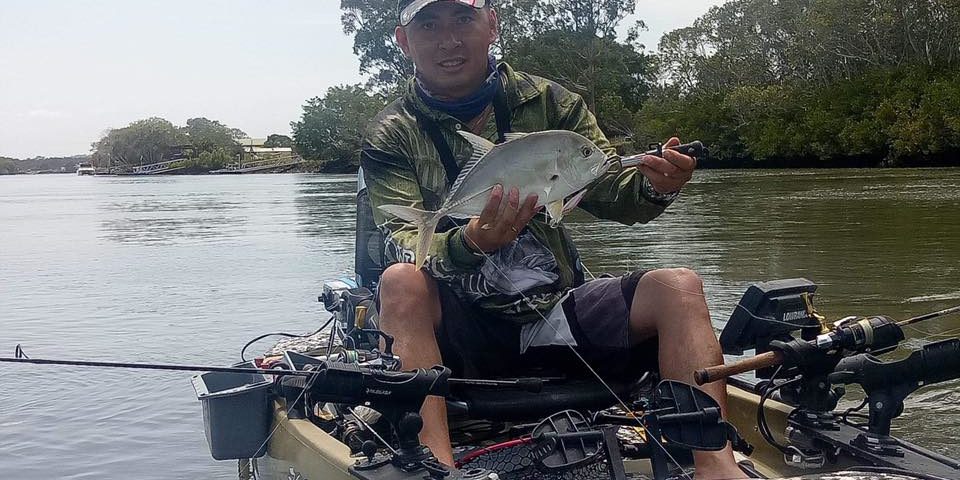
column 186, row 269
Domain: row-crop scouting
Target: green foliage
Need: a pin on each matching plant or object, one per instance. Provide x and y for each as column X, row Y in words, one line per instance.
column 330, row 130
column 7, row 167
column 571, row 41
column 893, row 117
column 11, row 166
column 613, row 78
column 372, row 23
column 210, row 135
column 276, row 140
column 214, row 159
column 153, row 140
column 141, row 142
column 761, row 82
column 814, row 82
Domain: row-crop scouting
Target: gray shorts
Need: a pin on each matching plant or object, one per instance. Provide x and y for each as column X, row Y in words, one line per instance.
column 594, row 318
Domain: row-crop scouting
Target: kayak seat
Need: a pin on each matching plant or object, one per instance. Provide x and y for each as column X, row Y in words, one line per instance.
column 509, row 404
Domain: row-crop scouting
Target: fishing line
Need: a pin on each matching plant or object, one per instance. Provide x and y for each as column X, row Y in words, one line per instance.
column 573, row 349
column 927, row 335
column 371, row 430
column 688, row 292
column 306, row 388
column 585, row 269
column 771, row 319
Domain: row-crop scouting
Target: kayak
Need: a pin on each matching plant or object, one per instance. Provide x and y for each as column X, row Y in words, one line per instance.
column 337, row 405
column 340, row 408
column 300, row 450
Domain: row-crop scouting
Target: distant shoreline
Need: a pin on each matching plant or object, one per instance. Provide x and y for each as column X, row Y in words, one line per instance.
column 713, row 166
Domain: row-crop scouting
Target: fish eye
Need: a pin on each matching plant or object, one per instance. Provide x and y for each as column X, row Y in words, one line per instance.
column 586, row 151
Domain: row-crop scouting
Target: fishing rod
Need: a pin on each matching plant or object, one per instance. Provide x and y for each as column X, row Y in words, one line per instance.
column 694, row 149
column 529, row 384
column 861, row 334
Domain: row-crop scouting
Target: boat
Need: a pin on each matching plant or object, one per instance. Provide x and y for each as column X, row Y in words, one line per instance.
column 352, row 414
column 84, row 168
column 335, row 405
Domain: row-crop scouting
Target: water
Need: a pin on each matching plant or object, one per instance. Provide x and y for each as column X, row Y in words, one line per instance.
column 187, row 269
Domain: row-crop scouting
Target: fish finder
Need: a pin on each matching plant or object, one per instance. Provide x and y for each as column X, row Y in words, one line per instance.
column 771, row 311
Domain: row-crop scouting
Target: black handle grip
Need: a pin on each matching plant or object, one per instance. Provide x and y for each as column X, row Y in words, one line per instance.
column 693, row 149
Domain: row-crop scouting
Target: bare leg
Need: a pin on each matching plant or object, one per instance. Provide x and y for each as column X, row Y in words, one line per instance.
column 410, row 311
column 670, row 304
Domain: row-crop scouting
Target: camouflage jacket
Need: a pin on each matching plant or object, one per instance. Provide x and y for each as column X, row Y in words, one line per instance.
column 401, row 166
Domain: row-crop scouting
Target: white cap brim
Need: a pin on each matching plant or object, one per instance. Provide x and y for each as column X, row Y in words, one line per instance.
column 414, row 8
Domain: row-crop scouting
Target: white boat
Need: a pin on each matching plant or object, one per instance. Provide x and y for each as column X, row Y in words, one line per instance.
column 85, row 169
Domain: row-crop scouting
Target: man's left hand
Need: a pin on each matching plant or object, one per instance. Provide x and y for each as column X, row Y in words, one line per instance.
column 670, row 173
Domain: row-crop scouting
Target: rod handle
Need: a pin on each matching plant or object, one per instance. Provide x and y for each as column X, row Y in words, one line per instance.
column 360, row 316
column 717, row 372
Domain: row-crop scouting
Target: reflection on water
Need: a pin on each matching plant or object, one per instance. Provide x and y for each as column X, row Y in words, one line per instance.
column 327, row 206
column 160, row 230
column 187, row 269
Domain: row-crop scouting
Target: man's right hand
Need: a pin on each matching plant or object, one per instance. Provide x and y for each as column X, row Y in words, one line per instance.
column 501, row 221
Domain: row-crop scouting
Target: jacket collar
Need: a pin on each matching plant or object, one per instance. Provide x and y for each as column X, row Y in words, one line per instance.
column 517, row 88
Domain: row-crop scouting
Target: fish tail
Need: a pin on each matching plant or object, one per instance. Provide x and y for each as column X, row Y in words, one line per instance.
column 426, row 223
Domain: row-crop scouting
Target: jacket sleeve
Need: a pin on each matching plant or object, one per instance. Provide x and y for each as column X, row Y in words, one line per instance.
column 391, row 180
column 618, row 196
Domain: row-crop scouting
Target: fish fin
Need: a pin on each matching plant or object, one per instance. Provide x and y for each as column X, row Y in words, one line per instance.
column 480, row 146
column 573, row 201
column 426, row 222
column 513, row 136
column 555, row 212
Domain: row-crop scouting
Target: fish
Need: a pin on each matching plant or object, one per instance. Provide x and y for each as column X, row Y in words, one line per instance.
column 555, row 165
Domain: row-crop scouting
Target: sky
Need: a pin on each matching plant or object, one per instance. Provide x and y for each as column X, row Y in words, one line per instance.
column 72, row 69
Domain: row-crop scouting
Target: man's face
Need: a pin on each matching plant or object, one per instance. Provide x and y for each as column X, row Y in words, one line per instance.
column 449, row 43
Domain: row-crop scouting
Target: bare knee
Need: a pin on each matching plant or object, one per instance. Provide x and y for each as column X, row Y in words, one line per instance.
column 673, row 283
column 408, row 298
column 672, row 295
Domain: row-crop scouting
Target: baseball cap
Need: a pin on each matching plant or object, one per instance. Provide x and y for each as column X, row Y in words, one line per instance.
column 407, row 9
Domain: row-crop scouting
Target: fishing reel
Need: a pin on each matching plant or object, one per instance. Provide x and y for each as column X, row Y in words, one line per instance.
column 808, row 363
column 355, row 313
column 793, row 341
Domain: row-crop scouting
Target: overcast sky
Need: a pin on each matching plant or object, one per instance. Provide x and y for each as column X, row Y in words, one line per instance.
column 72, row 69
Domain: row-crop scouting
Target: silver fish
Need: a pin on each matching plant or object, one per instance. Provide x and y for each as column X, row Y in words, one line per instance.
column 553, row 164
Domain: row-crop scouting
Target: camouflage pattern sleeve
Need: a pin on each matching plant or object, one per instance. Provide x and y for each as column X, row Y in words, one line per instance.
column 391, row 180
column 619, row 197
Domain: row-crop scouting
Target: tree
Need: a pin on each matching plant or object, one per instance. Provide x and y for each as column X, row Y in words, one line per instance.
column 612, row 77
column 150, row 141
column 372, row 23
column 7, row 167
column 574, row 42
column 141, row 142
column 207, row 135
column 277, row 140
column 330, row 130
column 816, row 82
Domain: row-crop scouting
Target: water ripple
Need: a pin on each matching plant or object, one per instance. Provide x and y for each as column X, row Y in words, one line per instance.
column 187, row 269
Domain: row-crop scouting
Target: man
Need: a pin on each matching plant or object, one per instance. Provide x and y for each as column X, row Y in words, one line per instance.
column 505, row 289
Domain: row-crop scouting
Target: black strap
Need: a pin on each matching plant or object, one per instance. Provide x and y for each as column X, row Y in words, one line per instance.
column 501, row 112
column 443, row 148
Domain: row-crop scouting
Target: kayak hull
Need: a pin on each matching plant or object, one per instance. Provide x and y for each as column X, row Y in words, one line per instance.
column 299, row 450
